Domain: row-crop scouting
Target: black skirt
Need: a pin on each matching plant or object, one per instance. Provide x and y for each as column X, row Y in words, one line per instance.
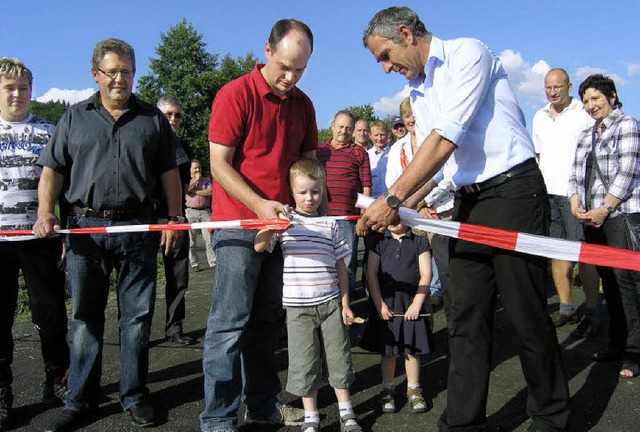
column 397, row 336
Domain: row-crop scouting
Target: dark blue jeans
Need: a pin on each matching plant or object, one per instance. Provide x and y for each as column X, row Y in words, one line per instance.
column 90, row 261
column 348, row 229
column 619, row 287
column 244, row 321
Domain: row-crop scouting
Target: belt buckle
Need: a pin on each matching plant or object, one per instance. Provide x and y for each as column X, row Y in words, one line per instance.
column 472, row 188
column 110, row 215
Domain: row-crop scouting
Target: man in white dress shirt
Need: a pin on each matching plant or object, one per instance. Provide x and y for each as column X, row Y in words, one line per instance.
column 466, row 111
column 555, row 131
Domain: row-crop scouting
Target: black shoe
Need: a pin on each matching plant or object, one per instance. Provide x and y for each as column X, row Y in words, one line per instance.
column 586, row 328
column 6, row 404
column 607, row 355
column 142, row 414
column 55, row 390
column 66, row 420
column 181, row 339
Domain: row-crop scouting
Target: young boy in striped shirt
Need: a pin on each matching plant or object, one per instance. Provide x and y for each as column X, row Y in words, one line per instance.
column 316, row 297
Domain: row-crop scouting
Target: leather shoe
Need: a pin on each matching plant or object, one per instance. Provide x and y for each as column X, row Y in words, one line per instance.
column 66, row 420
column 181, row 339
column 142, row 414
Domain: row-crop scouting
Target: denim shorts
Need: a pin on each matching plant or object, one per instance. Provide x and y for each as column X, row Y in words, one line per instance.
column 564, row 224
column 315, row 331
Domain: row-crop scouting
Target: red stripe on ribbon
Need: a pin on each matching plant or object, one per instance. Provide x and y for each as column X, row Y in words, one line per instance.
column 500, row 238
column 609, row 256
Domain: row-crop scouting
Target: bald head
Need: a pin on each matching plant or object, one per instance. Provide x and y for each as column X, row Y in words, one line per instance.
column 557, row 88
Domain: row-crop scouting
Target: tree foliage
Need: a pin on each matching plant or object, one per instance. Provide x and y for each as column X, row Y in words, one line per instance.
column 185, row 69
column 51, row 110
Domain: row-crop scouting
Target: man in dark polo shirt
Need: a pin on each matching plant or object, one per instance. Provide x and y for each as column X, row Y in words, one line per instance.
column 109, row 157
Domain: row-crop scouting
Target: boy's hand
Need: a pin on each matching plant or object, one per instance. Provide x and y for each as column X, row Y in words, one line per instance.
column 347, row 315
column 384, row 312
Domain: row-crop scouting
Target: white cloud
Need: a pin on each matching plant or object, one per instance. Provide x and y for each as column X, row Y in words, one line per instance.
column 527, row 81
column 391, row 105
column 71, row 96
column 585, row 71
column 633, row 69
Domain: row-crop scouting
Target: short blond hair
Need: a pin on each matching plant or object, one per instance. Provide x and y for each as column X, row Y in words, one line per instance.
column 311, row 168
column 14, row 68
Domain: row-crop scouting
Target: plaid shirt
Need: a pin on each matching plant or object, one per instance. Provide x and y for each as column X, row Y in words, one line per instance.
column 618, row 156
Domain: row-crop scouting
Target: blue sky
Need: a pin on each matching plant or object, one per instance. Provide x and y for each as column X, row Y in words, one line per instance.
column 55, row 39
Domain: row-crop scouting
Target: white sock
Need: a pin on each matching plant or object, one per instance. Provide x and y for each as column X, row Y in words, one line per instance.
column 312, row 417
column 345, row 408
column 411, row 386
column 388, row 385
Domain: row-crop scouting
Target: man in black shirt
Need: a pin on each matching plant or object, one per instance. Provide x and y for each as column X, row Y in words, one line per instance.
column 109, row 157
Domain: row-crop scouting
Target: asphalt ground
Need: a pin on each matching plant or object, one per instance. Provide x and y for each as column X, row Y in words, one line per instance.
column 601, row 401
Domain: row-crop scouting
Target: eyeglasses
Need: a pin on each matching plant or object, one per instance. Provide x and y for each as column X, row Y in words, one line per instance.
column 173, row 114
column 113, row 74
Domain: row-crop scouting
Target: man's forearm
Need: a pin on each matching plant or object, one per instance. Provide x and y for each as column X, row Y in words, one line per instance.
column 49, row 189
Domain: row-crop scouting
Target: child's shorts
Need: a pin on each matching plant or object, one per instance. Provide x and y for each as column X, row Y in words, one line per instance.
column 311, row 330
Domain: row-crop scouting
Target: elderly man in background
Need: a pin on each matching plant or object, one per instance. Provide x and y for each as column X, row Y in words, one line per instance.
column 555, row 132
column 348, row 173
column 176, row 263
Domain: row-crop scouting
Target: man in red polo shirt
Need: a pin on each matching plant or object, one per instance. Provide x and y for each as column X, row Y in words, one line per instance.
column 348, row 172
column 260, row 124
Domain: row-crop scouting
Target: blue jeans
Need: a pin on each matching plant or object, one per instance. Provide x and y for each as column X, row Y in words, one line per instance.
column 436, row 285
column 244, row 322
column 348, row 229
column 90, row 260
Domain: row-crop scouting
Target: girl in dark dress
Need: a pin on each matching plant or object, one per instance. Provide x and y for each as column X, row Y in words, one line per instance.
column 399, row 275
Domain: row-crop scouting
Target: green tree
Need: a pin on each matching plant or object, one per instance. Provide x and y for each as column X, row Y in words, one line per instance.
column 184, row 68
column 51, row 110
column 362, row 112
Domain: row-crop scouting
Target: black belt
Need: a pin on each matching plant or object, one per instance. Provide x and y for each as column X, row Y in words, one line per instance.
column 110, row 215
column 525, row 166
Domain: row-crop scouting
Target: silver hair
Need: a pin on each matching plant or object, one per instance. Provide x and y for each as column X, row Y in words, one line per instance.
column 385, row 24
column 168, row 100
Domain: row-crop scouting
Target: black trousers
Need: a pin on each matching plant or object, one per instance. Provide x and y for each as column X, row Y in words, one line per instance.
column 620, row 289
column 176, row 271
column 479, row 274
column 38, row 260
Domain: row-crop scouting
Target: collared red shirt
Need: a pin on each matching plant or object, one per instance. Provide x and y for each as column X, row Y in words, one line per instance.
column 378, row 163
column 555, row 140
column 268, row 133
column 111, row 164
column 466, row 97
column 618, row 156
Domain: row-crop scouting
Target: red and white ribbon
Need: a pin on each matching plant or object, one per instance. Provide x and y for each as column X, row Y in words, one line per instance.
column 520, row 242
column 247, row 224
